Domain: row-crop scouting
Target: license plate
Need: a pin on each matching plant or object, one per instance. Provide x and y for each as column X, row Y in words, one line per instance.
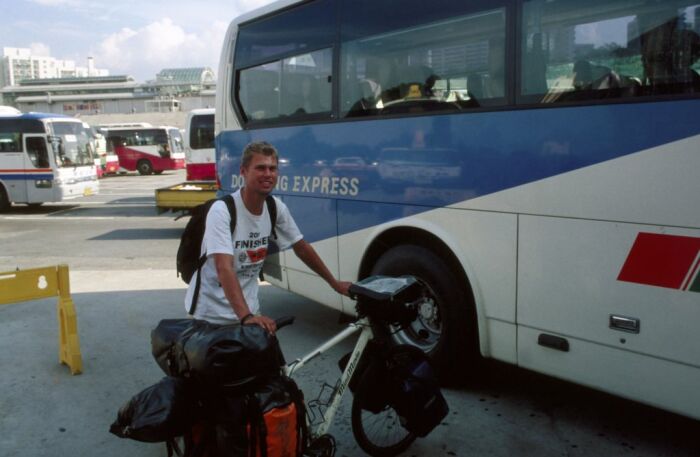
column 87, row 191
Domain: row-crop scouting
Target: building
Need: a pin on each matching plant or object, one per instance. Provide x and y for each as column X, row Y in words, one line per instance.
column 19, row 64
column 172, row 90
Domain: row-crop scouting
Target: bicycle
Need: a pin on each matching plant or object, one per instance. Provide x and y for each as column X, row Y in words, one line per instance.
column 375, row 424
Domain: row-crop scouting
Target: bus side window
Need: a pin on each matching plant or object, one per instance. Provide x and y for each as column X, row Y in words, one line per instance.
column 574, row 51
column 38, row 152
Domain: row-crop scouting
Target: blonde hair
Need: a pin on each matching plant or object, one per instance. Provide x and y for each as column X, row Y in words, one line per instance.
column 258, row 147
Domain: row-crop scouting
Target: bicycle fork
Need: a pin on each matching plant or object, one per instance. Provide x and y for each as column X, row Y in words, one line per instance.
column 366, row 335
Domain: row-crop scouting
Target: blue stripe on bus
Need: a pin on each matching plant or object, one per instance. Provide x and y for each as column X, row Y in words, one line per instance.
column 488, row 152
column 25, row 177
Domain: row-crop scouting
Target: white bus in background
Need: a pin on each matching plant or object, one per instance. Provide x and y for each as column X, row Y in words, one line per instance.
column 9, row 110
column 146, row 149
column 44, row 158
column 200, row 159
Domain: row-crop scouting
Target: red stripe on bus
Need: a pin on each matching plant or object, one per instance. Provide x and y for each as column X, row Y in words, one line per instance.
column 660, row 260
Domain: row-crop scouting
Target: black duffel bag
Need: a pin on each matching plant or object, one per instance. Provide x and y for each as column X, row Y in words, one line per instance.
column 219, row 355
column 158, row 413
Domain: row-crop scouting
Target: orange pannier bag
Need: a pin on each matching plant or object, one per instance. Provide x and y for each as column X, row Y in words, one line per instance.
column 276, row 420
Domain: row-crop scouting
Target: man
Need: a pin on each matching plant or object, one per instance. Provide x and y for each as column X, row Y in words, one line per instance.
column 229, row 283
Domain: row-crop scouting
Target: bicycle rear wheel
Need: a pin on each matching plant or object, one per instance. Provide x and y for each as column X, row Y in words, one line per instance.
column 379, row 434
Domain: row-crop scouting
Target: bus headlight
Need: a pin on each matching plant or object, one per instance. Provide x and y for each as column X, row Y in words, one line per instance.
column 43, row 183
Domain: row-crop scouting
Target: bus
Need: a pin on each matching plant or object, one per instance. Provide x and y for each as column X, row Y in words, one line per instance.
column 104, row 163
column 109, row 162
column 44, row 158
column 146, row 149
column 199, row 145
column 532, row 162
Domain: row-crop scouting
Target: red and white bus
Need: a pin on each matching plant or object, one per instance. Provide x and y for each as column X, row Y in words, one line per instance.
column 146, row 149
column 199, row 145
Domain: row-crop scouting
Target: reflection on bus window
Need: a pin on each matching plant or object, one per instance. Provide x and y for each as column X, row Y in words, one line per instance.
column 71, row 144
column 10, row 142
column 603, row 49
column 292, row 87
column 37, row 152
column 445, row 65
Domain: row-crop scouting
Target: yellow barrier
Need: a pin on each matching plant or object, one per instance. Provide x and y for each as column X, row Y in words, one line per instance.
column 36, row 283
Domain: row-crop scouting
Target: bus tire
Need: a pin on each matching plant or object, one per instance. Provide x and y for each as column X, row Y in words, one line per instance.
column 4, row 200
column 443, row 329
column 144, row 167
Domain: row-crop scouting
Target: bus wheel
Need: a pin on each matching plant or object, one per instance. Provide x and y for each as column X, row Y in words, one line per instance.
column 144, row 167
column 442, row 329
column 4, row 200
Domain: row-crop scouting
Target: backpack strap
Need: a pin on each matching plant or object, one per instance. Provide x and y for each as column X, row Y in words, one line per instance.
column 257, row 438
column 231, row 205
column 272, row 211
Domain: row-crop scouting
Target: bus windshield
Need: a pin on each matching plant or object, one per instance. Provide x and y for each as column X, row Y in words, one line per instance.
column 176, row 138
column 71, row 144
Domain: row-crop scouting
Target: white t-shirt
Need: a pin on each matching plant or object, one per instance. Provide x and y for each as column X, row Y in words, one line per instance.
column 248, row 248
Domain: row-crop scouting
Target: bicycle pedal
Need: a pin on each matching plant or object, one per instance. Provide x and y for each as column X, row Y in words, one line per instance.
column 323, row 446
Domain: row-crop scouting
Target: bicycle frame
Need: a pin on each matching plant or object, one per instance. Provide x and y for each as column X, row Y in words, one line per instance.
column 366, row 334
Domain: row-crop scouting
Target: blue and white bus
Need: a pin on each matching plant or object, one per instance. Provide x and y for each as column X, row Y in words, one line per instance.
column 44, row 158
column 533, row 162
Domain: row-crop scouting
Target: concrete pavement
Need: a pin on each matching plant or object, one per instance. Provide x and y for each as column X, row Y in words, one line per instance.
column 46, row 412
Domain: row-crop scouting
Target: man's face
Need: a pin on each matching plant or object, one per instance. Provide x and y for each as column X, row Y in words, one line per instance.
column 261, row 174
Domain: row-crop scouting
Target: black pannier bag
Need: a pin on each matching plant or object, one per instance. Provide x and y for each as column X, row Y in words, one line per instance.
column 414, row 390
column 219, row 355
column 158, row 413
column 269, row 421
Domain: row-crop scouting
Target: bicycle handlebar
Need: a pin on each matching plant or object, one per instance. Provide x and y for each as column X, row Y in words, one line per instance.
column 284, row 321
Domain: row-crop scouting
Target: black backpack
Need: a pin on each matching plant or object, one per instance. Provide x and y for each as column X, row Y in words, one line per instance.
column 188, row 257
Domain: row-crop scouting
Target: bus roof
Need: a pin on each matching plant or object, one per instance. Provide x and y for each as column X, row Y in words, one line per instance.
column 139, row 127
column 201, row 111
column 263, row 10
column 38, row 116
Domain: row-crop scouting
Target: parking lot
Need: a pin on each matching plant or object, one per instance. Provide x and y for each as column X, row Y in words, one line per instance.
column 121, row 256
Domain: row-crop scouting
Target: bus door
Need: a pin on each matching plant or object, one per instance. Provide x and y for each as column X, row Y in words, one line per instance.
column 39, row 177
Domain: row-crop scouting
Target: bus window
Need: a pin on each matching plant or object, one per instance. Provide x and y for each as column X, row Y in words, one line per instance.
column 10, row 142
column 202, row 132
column 295, row 86
column 451, row 63
column 38, row 152
column 608, row 49
column 71, row 144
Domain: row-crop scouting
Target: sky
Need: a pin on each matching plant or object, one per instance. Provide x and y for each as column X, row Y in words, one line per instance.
column 127, row 37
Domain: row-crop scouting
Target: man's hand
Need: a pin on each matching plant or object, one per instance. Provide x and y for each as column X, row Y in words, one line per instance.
column 264, row 322
column 342, row 287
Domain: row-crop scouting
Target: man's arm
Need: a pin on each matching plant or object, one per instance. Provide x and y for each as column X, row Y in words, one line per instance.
column 308, row 255
column 234, row 294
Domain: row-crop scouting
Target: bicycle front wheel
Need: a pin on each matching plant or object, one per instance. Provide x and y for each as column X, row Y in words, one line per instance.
column 379, row 434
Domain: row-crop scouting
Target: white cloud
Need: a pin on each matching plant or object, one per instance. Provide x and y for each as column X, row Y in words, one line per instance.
column 40, row 49
column 161, row 44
